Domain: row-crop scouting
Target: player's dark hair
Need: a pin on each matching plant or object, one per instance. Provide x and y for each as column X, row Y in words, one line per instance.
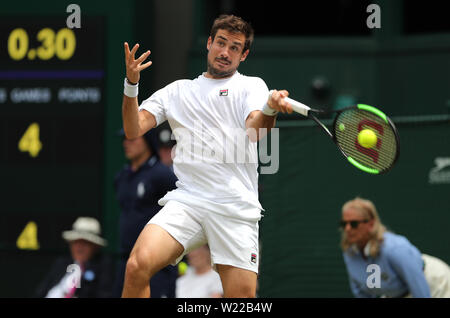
column 233, row 24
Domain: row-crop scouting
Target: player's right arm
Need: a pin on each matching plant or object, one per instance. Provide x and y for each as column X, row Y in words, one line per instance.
column 135, row 123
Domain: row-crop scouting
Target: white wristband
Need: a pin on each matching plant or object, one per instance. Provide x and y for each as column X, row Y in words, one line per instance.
column 130, row 90
column 267, row 110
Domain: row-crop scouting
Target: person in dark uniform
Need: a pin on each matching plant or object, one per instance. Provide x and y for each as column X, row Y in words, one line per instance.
column 166, row 144
column 139, row 186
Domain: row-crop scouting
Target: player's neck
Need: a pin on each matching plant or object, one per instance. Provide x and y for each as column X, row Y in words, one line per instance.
column 207, row 74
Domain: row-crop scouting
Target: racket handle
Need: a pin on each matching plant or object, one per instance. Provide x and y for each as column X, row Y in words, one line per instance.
column 296, row 106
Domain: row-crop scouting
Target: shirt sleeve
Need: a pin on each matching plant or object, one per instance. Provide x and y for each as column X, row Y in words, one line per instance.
column 257, row 96
column 156, row 104
column 409, row 266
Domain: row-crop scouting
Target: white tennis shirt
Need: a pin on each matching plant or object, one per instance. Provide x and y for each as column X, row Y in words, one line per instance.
column 214, row 158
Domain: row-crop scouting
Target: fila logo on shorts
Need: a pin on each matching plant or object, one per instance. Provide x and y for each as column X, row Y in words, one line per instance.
column 253, row 258
column 223, row 92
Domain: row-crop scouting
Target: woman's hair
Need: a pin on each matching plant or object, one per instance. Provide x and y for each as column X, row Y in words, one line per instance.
column 368, row 211
column 233, row 24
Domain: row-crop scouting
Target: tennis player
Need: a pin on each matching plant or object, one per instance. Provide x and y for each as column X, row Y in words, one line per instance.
column 216, row 200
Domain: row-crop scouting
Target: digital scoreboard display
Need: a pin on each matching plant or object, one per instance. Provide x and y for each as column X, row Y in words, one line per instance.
column 52, row 104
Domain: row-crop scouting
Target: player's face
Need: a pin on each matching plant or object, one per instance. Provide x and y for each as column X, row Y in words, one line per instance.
column 225, row 53
column 134, row 148
column 361, row 233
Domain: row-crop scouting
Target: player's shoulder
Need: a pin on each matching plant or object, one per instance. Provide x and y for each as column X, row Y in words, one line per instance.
column 250, row 84
column 255, row 80
column 173, row 86
column 178, row 83
column 182, row 81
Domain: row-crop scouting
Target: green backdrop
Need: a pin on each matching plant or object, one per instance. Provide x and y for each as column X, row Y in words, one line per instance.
column 299, row 233
column 407, row 76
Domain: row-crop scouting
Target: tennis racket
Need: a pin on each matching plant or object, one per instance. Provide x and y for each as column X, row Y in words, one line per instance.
column 348, row 124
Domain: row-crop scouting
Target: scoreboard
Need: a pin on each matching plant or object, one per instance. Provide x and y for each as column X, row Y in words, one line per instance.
column 52, row 105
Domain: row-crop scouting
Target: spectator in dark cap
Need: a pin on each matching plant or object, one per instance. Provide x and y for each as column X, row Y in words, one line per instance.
column 139, row 186
column 166, row 143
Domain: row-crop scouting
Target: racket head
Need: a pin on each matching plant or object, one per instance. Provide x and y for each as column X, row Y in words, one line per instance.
column 350, row 122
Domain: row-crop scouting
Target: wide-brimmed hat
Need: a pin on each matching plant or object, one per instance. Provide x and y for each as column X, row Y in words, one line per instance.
column 85, row 228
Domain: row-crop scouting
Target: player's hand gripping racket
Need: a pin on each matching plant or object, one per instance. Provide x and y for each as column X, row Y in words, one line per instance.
column 363, row 133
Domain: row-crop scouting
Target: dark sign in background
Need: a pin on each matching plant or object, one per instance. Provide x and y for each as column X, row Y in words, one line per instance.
column 51, row 118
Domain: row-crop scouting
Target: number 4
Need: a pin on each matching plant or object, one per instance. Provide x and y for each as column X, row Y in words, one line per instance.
column 30, row 141
column 28, row 240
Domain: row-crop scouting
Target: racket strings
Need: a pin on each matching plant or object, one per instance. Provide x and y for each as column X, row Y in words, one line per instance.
column 347, row 126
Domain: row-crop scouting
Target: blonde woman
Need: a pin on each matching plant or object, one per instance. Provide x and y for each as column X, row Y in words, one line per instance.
column 383, row 264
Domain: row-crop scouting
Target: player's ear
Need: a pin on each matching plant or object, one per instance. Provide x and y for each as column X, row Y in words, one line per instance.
column 244, row 55
column 208, row 44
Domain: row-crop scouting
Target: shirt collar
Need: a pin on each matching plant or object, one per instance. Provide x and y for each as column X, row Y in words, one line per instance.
column 218, row 80
column 366, row 249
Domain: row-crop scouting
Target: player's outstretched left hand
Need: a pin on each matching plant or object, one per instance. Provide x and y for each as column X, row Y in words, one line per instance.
column 133, row 66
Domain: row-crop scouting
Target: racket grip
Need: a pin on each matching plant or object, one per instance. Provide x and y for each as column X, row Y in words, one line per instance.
column 296, row 106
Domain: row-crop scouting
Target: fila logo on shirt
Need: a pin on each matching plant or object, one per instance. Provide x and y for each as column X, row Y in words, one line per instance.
column 253, row 258
column 223, row 92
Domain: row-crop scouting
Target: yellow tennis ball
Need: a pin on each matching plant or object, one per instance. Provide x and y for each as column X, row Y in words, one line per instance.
column 182, row 268
column 367, row 138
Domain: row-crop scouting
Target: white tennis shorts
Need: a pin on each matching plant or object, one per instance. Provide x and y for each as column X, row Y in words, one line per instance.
column 232, row 241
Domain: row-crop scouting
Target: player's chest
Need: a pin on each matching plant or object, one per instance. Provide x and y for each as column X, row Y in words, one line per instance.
column 222, row 104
